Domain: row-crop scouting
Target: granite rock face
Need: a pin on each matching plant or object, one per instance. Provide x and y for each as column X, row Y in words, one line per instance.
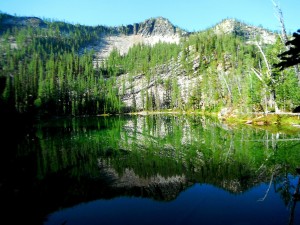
column 156, row 187
column 149, row 32
column 232, row 26
column 157, row 26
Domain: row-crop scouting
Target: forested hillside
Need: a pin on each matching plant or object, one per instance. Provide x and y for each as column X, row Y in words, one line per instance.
column 48, row 68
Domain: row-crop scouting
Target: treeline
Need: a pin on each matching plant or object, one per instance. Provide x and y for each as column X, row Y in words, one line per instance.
column 46, row 71
column 141, row 58
column 229, row 72
column 239, row 74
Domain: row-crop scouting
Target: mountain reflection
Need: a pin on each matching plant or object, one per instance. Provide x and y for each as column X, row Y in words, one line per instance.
column 69, row 161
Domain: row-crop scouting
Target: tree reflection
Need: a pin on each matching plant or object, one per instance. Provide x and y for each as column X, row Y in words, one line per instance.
column 294, row 199
column 288, row 191
column 155, row 157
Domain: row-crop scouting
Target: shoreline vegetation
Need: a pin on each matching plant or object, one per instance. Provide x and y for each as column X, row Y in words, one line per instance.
column 284, row 120
column 274, row 122
column 51, row 69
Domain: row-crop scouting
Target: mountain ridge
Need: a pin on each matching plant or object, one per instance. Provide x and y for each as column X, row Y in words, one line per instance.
column 249, row 32
column 152, row 26
column 8, row 21
column 155, row 26
column 204, row 70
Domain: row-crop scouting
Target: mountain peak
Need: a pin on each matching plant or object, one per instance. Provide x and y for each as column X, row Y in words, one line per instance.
column 159, row 19
column 236, row 27
column 8, row 21
column 158, row 26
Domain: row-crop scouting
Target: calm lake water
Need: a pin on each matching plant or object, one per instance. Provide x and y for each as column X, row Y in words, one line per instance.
column 158, row 169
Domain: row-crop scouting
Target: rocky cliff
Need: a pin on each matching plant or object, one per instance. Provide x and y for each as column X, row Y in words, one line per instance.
column 156, row 187
column 154, row 30
column 135, row 90
column 157, row 27
column 250, row 33
column 150, row 32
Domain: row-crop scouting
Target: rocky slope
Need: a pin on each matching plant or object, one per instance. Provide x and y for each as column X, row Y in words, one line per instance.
column 159, row 29
column 8, row 21
column 136, row 89
column 250, row 33
column 155, row 187
column 149, row 32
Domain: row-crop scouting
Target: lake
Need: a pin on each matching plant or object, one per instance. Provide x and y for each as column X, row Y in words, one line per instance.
column 155, row 169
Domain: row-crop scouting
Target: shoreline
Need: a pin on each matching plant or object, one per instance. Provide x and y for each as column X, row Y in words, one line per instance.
column 281, row 119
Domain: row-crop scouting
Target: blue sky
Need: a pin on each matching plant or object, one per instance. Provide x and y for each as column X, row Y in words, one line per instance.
column 192, row 15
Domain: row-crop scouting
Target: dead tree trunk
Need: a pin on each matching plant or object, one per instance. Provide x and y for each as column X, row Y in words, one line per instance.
column 268, row 75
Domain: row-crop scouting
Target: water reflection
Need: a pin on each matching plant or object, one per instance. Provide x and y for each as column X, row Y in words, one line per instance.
column 293, row 202
column 199, row 204
column 168, row 159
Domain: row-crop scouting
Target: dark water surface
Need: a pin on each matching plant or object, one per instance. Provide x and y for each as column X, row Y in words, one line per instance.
column 148, row 170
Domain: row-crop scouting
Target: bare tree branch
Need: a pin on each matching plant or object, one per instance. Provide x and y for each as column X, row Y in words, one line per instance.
column 265, row 59
column 279, row 16
column 267, row 191
column 259, row 76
